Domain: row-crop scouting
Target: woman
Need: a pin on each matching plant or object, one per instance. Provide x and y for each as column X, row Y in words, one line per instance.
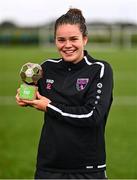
column 76, row 94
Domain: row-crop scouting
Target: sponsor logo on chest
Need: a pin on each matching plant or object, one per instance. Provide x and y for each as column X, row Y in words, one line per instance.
column 49, row 83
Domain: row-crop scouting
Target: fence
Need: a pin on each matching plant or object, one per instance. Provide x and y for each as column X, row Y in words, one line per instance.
column 99, row 35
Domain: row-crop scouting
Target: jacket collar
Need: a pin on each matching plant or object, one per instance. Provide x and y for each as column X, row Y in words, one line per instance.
column 71, row 66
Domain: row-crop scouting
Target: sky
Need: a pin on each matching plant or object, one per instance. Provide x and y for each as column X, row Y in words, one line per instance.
column 39, row 12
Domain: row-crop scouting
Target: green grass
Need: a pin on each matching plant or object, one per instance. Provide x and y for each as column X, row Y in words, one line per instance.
column 20, row 127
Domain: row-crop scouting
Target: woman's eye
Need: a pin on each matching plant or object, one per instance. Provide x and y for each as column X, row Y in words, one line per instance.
column 74, row 39
column 61, row 40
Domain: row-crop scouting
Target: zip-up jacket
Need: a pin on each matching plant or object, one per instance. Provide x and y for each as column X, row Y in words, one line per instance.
column 72, row 137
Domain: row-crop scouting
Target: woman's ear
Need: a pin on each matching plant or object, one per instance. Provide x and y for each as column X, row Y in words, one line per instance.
column 85, row 39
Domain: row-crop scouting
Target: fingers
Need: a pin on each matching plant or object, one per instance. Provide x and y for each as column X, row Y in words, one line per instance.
column 19, row 101
column 29, row 102
column 38, row 95
column 18, row 90
column 39, row 103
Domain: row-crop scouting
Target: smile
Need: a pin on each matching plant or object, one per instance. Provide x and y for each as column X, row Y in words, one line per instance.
column 69, row 52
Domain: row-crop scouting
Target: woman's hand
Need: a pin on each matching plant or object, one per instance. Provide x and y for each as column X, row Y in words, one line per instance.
column 39, row 103
column 19, row 101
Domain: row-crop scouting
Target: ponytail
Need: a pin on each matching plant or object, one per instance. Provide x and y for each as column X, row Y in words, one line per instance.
column 73, row 16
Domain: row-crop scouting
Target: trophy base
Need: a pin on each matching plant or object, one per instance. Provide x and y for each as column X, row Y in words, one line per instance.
column 27, row 92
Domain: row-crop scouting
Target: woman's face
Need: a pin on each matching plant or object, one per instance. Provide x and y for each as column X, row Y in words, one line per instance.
column 70, row 42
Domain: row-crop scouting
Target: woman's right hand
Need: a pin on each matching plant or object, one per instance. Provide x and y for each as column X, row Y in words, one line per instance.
column 19, row 101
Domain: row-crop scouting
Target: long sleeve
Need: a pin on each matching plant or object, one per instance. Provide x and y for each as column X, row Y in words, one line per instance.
column 98, row 100
column 73, row 134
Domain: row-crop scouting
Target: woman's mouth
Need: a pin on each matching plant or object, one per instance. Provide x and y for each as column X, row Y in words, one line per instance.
column 69, row 52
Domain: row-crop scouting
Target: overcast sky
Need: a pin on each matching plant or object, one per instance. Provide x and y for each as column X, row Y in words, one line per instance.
column 37, row 12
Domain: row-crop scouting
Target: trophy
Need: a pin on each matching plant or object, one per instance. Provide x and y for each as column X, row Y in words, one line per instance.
column 30, row 74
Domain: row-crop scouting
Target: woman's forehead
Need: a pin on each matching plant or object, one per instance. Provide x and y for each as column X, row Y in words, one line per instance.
column 68, row 29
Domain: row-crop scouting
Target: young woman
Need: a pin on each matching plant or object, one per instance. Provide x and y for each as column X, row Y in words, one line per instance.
column 76, row 94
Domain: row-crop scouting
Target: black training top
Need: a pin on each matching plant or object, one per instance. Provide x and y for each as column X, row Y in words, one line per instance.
column 72, row 137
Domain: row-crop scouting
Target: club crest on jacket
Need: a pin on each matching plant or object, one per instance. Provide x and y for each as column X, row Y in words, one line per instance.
column 81, row 83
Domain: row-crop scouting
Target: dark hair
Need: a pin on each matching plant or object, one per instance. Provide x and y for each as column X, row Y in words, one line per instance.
column 73, row 16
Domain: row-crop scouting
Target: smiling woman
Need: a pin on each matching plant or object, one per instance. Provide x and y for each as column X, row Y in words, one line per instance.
column 71, row 35
column 75, row 94
column 70, row 42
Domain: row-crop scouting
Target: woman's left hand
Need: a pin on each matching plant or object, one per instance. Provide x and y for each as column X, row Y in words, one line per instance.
column 39, row 103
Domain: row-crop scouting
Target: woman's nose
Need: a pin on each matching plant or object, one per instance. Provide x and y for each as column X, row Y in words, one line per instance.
column 68, row 44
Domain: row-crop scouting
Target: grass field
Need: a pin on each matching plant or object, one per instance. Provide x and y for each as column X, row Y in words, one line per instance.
column 20, row 127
